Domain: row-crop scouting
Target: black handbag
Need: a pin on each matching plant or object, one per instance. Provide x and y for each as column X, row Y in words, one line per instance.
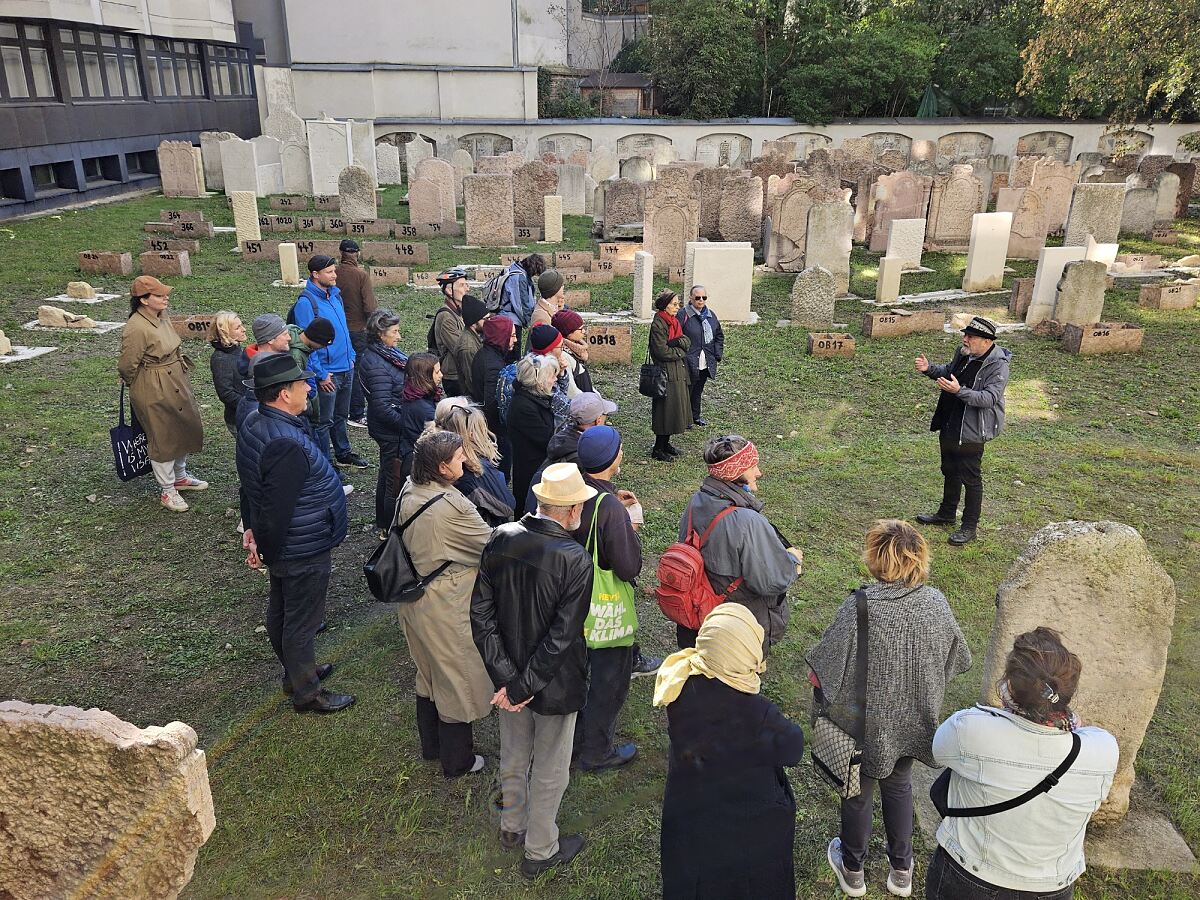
column 939, row 791
column 653, row 380
column 837, row 752
column 131, row 452
column 391, row 575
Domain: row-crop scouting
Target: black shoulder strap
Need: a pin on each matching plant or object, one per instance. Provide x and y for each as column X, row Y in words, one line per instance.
column 424, row 579
column 313, row 303
column 1040, row 788
column 860, row 660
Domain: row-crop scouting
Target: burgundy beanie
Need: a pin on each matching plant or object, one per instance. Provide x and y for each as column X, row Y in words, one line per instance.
column 567, row 321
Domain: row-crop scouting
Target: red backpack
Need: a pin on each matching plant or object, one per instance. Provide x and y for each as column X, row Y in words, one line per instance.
column 684, row 593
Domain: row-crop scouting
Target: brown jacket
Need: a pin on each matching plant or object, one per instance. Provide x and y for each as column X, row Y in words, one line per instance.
column 159, row 389
column 358, row 296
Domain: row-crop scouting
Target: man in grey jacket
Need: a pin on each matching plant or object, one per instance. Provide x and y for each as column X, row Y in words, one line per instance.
column 969, row 413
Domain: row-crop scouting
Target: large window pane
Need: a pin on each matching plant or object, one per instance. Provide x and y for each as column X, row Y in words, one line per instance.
column 14, row 72
column 8, row 29
column 197, row 78
column 87, row 37
column 91, row 71
column 74, row 79
column 33, row 32
column 133, row 87
column 247, row 83
column 168, row 73
column 182, row 75
column 112, row 74
column 43, row 84
column 108, row 39
column 153, row 77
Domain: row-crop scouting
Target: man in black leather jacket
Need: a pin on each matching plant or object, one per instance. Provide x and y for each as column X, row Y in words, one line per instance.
column 530, row 600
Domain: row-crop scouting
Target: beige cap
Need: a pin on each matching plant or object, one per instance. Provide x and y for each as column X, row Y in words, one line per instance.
column 562, row 485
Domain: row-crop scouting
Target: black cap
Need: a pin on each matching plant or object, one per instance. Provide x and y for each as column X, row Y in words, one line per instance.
column 348, row 246
column 981, row 327
column 320, row 331
column 473, row 310
column 276, row 368
column 321, row 261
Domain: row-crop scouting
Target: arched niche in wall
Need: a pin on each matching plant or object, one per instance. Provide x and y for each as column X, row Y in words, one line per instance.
column 563, row 145
column 1123, row 143
column 656, row 148
column 959, row 146
column 485, row 143
column 807, row 141
column 1046, row 143
column 723, row 149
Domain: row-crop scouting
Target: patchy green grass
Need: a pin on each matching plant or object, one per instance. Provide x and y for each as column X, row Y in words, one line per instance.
column 113, row 602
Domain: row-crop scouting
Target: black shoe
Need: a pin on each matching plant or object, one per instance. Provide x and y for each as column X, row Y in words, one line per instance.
column 936, row 519
column 617, row 757
column 700, row 422
column 568, row 849
column 673, row 450
column 662, row 456
column 323, row 671
column 511, row 840
column 964, row 535
column 326, row 702
column 324, row 624
column 645, row 665
column 353, row 460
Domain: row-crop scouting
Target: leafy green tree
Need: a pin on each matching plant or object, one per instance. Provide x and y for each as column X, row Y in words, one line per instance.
column 701, row 51
column 980, row 66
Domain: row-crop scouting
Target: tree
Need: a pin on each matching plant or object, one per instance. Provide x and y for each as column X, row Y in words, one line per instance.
column 1124, row 61
column 980, row 66
column 701, row 51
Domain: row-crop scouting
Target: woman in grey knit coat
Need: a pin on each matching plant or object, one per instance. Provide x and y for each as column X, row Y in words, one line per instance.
column 914, row 647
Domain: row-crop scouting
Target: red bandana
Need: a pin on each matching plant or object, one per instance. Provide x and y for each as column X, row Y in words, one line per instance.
column 742, row 461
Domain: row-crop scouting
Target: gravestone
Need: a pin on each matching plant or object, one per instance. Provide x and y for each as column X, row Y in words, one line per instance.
column 1051, row 262
column 268, row 166
column 1097, row 584
column 328, row 153
column 727, row 272
column 238, row 166
column 1105, row 253
column 415, row 151
column 813, row 298
column 643, row 284
column 105, row 262
column 1080, row 295
column 356, row 194
column 781, row 149
column 387, row 164
column 552, row 231
column 672, row 216
column 900, row 195
column 1187, row 184
column 954, row 200
column 906, row 242
column 624, row 204
column 1095, row 210
column 532, row 182
column 711, row 183
column 488, row 201
column 796, row 195
column 1138, row 211
column 440, row 173
column 425, row 201
column 572, row 187
column 580, row 157
column 165, row 263
column 463, row 165
column 97, row 807
column 767, row 167
column 887, row 284
column 1028, row 235
column 1166, row 187
column 1022, row 295
column 210, row 156
column 987, row 250
column 589, row 195
column 492, row 165
column 362, row 148
column 289, row 265
column 828, row 241
column 740, row 211
column 1054, row 181
column 637, row 169
column 177, row 168
column 603, row 165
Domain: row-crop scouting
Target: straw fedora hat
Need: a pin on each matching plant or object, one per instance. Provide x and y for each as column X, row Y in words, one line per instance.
column 562, row 485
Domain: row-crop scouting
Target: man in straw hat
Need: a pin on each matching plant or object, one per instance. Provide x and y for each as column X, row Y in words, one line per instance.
column 970, row 412
column 530, row 601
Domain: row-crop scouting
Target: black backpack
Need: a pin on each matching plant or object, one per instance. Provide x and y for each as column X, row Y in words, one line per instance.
column 430, row 338
column 291, row 313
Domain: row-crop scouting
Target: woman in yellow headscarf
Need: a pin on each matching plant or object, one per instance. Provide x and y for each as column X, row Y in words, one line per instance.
column 729, row 816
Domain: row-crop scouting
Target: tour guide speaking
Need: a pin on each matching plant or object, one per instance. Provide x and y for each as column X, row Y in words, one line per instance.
column 969, row 413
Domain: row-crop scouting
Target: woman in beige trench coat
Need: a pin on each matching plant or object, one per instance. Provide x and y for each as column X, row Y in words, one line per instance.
column 453, row 687
column 160, row 392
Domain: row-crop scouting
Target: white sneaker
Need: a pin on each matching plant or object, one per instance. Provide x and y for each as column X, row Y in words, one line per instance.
column 170, row 499
column 190, row 483
column 478, row 765
column 347, row 489
column 853, row 884
column 357, row 423
column 899, row 882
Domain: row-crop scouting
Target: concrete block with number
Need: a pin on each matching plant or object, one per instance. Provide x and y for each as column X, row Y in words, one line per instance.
column 830, row 344
column 386, row 275
column 1102, row 337
column 899, row 322
column 395, row 253
column 171, row 244
column 1178, row 295
column 610, row 344
column 160, row 263
column 105, row 262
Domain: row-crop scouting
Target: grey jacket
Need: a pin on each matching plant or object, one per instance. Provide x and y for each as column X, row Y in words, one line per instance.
column 983, row 419
column 914, row 647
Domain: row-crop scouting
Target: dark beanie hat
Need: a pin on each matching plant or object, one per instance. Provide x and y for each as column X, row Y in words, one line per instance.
column 544, row 339
column 321, row 261
column 598, row 447
column 549, row 283
column 498, row 331
column 472, row 310
column 567, row 321
column 320, row 331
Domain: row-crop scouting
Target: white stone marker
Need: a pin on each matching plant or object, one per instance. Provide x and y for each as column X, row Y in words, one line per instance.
column 643, row 284
column 289, row 265
column 987, row 251
column 1051, row 262
column 245, row 215
column 887, row 285
column 726, row 269
column 906, row 239
column 552, row 231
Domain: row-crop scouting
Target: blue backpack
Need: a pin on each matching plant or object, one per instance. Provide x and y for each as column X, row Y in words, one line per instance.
column 504, row 390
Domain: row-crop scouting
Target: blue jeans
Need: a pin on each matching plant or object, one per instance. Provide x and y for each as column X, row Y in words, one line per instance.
column 335, row 406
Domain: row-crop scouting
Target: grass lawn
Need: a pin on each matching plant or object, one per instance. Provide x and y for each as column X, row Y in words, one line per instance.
column 114, row 602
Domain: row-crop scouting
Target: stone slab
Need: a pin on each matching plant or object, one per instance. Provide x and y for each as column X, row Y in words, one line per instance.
column 105, row 262
column 193, row 230
column 1103, row 337
column 906, row 240
column 288, row 202
column 526, row 233
column 180, row 215
column 831, row 344
column 897, row 323
column 327, row 202
column 395, row 253
column 377, row 228
column 21, row 353
column 610, row 344
column 1051, row 263
column 887, row 283
column 101, row 327
column 63, row 298
column 194, row 327
column 165, row 263
column 260, row 250
column 574, row 259
column 643, row 284
column 1169, row 296
column 726, row 269
column 616, row 266
column 619, row 250
column 162, row 245
column 587, row 277
column 987, row 251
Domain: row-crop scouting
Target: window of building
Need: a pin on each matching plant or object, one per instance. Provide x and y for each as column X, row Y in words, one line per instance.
column 144, row 163
column 100, row 65
column 174, row 68
column 11, row 188
column 24, row 62
column 45, row 178
column 229, row 71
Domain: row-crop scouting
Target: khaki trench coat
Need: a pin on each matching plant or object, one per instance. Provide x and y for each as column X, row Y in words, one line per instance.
column 160, row 391
column 673, row 413
column 438, row 626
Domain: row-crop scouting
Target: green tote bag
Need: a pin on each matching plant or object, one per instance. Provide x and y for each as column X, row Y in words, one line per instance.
column 612, row 619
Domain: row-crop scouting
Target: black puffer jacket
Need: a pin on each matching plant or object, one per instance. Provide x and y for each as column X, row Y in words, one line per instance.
column 531, row 597
column 383, row 382
column 485, row 369
column 530, row 428
column 227, row 381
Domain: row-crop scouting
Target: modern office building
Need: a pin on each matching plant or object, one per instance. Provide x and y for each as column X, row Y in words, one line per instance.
column 88, row 89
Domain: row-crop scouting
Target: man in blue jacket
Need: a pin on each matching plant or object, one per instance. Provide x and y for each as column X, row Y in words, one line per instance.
column 332, row 365
column 294, row 510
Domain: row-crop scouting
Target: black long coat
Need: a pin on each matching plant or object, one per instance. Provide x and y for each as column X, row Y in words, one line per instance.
column 729, row 817
column 530, row 427
column 673, row 413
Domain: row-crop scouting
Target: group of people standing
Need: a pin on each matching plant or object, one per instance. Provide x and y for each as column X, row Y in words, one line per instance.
column 506, row 466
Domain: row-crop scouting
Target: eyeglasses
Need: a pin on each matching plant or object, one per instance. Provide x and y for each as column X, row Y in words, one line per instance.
column 705, row 297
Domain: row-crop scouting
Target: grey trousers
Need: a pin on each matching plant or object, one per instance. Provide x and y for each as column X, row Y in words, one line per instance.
column 535, row 766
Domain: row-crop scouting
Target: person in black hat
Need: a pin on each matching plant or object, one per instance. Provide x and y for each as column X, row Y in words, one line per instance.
column 969, row 413
column 294, row 511
column 474, row 314
column 317, row 335
column 358, row 300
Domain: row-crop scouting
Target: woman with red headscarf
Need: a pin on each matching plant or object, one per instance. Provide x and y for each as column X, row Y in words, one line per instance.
column 744, row 554
column 499, row 337
column 671, row 414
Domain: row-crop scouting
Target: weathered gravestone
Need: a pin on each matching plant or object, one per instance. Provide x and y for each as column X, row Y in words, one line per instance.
column 603, row 165
column 97, row 807
column 552, row 231
column 210, row 157
column 1166, row 188
column 425, row 201
column 180, row 170
column 488, row 201
column 1051, row 262
column 415, row 151
column 387, row 164
column 900, row 195
column 828, row 240
column 1095, row 210
column 356, row 194
column 740, row 209
column 987, row 250
column 572, row 187
column 1054, row 180
column 463, row 165
column 906, row 242
column 712, row 183
column 813, row 298
column 1138, row 211
column 1019, row 299
column 795, row 196
column 955, row 199
column 1097, row 584
column 532, row 182
column 624, row 204
column 1187, row 184
column 1080, row 295
column 440, row 173
column 1028, row 234
column 328, row 153
column 638, row 169
column 672, row 216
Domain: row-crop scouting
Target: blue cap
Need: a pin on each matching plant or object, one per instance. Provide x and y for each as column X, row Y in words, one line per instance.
column 598, row 447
